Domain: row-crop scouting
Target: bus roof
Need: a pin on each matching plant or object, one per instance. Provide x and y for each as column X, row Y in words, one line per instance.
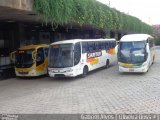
column 80, row 40
column 32, row 46
column 135, row 37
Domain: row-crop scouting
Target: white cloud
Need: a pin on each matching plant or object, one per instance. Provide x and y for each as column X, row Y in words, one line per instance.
column 146, row 10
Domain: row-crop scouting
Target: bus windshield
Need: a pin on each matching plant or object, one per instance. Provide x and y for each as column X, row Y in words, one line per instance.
column 61, row 55
column 23, row 58
column 132, row 52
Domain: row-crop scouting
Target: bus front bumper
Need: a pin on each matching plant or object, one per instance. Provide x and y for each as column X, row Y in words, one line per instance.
column 31, row 73
column 61, row 73
column 139, row 69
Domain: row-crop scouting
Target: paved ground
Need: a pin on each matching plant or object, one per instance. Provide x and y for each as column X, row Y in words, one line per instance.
column 102, row 91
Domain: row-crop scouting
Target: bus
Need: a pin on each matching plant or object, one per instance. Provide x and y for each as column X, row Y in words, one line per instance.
column 136, row 53
column 31, row 60
column 70, row 58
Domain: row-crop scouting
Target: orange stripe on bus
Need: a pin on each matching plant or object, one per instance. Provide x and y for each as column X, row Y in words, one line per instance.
column 90, row 59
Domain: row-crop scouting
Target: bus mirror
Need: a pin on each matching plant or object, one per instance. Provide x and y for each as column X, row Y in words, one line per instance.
column 147, row 48
column 34, row 55
column 116, row 49
column 117, row 42
column 39, row 59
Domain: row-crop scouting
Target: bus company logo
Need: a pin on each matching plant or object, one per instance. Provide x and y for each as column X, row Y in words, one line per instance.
column 94, row 54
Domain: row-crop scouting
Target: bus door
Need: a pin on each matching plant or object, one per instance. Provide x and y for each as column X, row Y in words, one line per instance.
column 40, row 60
column 77, row 57
column 152, row 50
column 46, row 49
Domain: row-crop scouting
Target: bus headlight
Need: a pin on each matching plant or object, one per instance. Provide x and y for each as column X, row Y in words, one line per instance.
column 144, row 64
column 69, row 70
column 32, row 67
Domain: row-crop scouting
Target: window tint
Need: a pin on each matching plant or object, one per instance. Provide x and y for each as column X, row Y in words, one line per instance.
column 110, row 44
column 103, row 45
column 97, row 46
column 85, row 47
column 91, row 46
column 107, row 45
column 113, row 44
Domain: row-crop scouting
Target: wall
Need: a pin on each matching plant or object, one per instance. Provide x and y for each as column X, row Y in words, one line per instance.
column 18, row 4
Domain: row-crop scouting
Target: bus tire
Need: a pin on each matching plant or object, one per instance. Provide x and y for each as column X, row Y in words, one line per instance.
column 107, row 64
column 85, row 71
column 153, row 59
column 148, row 67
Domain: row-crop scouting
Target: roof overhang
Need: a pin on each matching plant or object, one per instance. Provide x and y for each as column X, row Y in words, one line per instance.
column 10, row 15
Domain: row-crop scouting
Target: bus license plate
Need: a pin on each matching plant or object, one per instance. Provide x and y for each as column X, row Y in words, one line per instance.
column 131, row 70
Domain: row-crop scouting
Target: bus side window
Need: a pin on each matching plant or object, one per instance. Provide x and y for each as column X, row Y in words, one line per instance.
column 113, row 44
column 151, row 43
column 97, row 46
column 107, row 45
column 103, row 45
column 91, row 46
column 40, row 56
column 110, row 44
column 84, row 47
column 77, row 53
column 46, row 51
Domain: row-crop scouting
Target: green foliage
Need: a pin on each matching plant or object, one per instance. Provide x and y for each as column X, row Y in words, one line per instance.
column 90, row 12
column 157, row 41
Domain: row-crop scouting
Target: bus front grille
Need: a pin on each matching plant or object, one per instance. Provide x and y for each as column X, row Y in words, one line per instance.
column 59, row 75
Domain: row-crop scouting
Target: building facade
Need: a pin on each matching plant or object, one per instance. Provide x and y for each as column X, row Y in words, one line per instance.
column 20, row 25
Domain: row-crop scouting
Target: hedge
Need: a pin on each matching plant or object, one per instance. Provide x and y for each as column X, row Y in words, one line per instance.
column 91, row 12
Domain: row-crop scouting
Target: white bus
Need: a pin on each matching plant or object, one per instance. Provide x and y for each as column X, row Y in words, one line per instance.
column 136, row 53
column 75, row 57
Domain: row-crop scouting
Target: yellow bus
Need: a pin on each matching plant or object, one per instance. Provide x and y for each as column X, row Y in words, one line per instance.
column 31, row 60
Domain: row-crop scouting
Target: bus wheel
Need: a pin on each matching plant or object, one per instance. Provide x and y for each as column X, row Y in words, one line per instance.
column 85, row 71
column 153, row 59
column 148, row 67
column 107, row 64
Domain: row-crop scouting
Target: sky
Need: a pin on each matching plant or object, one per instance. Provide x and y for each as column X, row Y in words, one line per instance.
column 146, row 10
